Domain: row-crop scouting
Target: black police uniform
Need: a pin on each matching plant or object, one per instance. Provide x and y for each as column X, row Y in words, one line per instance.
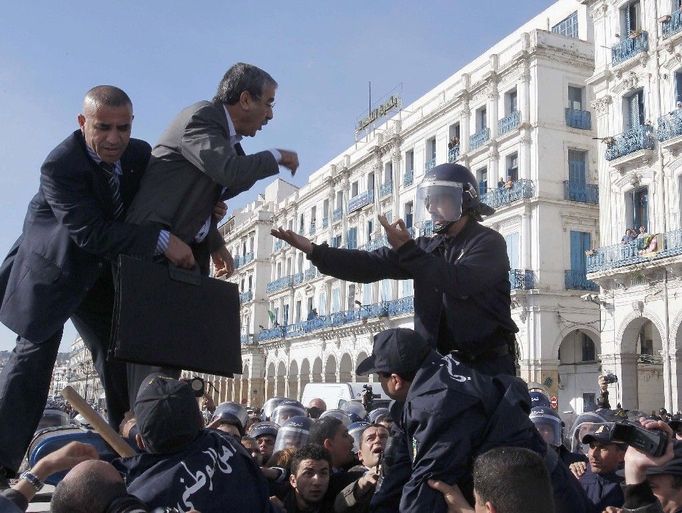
column 214, row 473
column 461, row 290
column 603, row 489
column 451, row 415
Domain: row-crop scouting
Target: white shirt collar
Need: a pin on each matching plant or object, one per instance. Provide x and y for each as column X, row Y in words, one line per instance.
column 234, row 136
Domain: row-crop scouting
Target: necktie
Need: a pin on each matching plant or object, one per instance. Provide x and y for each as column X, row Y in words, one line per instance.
column 114, row 185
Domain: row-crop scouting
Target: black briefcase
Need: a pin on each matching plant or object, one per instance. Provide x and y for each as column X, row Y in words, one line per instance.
column 172, row 317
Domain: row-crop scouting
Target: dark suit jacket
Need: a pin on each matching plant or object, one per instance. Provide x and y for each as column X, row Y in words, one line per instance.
column 69, row 237
column 190, row 165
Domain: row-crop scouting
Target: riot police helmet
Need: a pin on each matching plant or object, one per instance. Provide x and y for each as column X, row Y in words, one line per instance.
column 339, row 414
column 270, row 405
column 231, row 413
column 548, row 423
column 294, row 433
column 445, row 194
column 285, row 410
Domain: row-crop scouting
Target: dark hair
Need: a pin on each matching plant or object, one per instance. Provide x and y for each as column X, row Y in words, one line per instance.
column 310, row 452
column 239, row 78
column 514, row 480
column 323, row 429
column 108, row 95
column 90, row 493
column 373, row 425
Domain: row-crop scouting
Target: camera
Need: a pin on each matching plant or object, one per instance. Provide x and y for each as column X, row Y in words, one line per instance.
column 652, row 442
column 610, row 378
column 367, row 396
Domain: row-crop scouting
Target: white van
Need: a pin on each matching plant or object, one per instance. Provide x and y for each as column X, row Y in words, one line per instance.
column 336, row 394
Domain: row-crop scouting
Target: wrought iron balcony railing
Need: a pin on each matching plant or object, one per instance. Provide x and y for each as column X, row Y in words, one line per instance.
column 377, row 243
column 359, row 201
column 581, row 192
column 279, row 284
column 247, row 339
column 581, row 119
column 408, row 178
column 633, row 252
column 386, row 189
column 508, row 123
column 669, row 126
column 277, row 245
column 245, row 297
column 311, row 229
column 577, row 280
column 673, row 25
column 430, row 164
column 310, row 274
column 637, row 138
column 337, row 215
column 399, row 306
column 453, row 153
column 241, row 261
column 479, row 138
column 325, row 222
column 502, row 196
column 522, row 279
column 629, row 47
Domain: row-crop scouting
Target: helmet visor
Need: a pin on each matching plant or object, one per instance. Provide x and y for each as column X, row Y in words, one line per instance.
column 549, row 428
column 288, row 437
column 439, row 202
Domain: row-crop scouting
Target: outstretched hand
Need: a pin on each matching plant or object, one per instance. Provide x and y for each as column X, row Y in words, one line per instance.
column 294, row 239
column 396, row 233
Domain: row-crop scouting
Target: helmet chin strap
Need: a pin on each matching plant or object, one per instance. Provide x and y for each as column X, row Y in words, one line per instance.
column 443, row 228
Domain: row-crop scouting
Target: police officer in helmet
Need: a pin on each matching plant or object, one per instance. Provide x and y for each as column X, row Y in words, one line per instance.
column 461, row 274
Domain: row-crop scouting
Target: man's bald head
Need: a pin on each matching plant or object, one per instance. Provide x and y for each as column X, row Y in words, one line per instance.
column 106, row 95
column 89, row 487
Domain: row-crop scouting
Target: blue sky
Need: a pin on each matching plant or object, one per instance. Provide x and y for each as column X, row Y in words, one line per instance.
column 167, row 55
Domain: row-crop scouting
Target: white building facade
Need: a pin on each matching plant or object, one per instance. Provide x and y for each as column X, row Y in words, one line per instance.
column 637, row 85
column 518, row 116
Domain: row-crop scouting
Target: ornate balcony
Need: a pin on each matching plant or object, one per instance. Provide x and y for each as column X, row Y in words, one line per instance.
column 508, row 123
column 337, row 215
column 637, row 138
column 241, row 261
column 521, row 279
column 430, row 164
column 673, row 25
column 325, row 222
column 399, row 306
column 633, row 252
column 310, row 274
column 629, row 47
column 245, row 297
column 479, row 138
column 520, row 189
column 669, row 126
column 277, row 245
column 581, row 192
column 377, row 243
column 297, row 279
column 279, row 284
column 386, row 189
column 247, row 339
column 453, row 153
column 581, row 119
column 359, row 201
column 311, row 230
column 408, row 178
column 577, row 280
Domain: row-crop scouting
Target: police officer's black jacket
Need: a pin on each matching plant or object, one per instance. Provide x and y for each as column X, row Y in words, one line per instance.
column 214, row 473
column 465, row 277
column 451, row 415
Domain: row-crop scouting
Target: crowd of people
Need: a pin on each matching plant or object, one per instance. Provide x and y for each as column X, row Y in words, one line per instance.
column 453, row 440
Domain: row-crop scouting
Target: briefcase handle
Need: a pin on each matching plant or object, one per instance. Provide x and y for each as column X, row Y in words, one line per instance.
column 190, row 276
